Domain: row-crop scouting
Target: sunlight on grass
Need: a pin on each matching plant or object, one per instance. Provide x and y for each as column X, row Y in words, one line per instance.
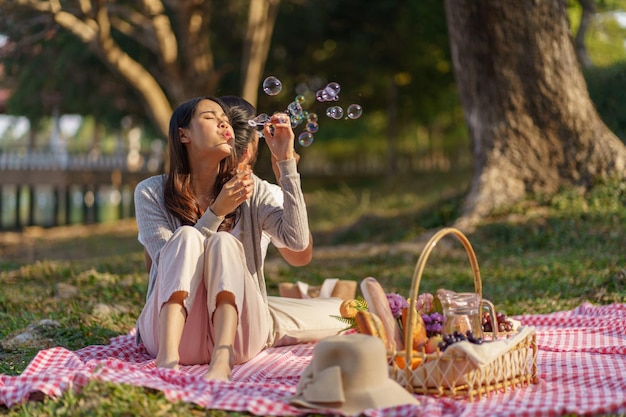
column 543, row 255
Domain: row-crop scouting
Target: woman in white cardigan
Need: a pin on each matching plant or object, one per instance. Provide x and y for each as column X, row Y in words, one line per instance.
column 201, row 225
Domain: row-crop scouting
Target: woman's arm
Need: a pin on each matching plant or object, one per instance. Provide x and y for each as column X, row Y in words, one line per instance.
column 298, row 258
column 294, row 258
column 155, row 228
column 288, row 223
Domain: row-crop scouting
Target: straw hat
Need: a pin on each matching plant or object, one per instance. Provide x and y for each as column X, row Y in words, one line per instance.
column 349, row 374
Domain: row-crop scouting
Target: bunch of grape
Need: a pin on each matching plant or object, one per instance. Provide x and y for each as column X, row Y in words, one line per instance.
column 504, row 324
column 457, row 336
column 433, row 323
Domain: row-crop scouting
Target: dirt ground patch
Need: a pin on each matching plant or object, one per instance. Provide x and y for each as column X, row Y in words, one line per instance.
column 63, row 242
column 74, row 242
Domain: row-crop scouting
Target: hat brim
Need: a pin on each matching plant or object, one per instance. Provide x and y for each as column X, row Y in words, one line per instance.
column 385, row 395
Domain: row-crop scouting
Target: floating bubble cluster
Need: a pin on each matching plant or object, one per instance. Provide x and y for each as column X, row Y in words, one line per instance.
column 298, row 115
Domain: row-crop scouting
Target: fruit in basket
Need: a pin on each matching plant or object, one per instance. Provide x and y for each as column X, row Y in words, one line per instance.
column 370, row 323
column 449, row 339
column 504, row 324
column 400, row 360
column 419, row 328
column 433, row 343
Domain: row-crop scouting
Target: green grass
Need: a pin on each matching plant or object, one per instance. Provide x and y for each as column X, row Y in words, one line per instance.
column 540, row 256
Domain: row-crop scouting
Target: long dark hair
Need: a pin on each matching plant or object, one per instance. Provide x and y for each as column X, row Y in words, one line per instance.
column 179, row 197
column 240, row 111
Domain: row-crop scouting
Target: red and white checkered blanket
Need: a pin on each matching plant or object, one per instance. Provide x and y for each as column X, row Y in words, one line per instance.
column 581, row 364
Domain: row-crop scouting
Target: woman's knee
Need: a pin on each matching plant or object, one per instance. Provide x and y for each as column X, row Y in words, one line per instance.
column 226, row 297
column 184, row 237
column 187, row 233
column 222, row 240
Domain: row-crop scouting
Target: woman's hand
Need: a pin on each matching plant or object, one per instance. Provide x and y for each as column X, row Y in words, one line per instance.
column 279, row 137
column 237, row 190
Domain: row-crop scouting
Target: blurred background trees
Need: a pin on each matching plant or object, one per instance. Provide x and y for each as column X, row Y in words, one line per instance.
column 132, row 61
column 399, row 72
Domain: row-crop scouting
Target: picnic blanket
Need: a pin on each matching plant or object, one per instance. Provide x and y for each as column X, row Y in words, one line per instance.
column 581, row 368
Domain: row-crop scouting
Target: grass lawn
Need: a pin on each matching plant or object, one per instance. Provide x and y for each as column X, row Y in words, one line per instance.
column 537, row 257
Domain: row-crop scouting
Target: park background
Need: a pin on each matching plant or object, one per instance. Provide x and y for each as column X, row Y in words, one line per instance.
column 446, row 125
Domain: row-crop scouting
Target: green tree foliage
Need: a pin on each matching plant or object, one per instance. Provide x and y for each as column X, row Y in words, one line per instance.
column 607, row 88
column 605, row 36
column 606, row 46
column 61, row 72
column 47, row 67
column 135, row 58
column 387, row 56
column 369, row 48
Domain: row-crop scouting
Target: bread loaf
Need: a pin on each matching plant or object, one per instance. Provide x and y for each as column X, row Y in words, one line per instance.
column 348, row 309
column 370, row 323
column 377, row 303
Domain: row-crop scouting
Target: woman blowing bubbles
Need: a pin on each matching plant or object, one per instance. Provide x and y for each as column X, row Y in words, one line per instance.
column 201, row 225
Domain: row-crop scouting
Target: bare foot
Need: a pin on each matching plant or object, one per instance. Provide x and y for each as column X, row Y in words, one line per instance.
column 167, row 363
column 215, row 374
column 221, row 364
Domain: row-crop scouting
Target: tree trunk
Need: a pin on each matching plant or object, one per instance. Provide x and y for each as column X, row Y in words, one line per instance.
column 579, row 41
column 261, row 19
column 532, row 125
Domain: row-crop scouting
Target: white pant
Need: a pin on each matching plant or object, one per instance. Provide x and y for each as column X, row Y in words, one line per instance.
column 203, row 268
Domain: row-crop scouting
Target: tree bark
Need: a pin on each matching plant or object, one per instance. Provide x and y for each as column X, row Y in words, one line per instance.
column 532, row 125
column 261, row 19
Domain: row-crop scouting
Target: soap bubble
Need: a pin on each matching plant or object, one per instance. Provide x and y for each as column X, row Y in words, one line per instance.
column 295, row 108
column 312, row 127
column 305, row 139
column 354, row 111
column 272, row 85
column 321, row 95
column 332, row 90
column 295, row 121
column 328, row 93
column 334, row 112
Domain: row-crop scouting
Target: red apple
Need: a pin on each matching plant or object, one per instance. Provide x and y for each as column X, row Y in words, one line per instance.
column 432, row 343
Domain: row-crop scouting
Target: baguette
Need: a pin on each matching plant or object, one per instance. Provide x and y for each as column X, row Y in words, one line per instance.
column 377, row 303
column 370, row 323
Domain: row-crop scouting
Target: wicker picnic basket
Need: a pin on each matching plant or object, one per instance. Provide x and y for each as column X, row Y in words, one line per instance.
column 453, row 373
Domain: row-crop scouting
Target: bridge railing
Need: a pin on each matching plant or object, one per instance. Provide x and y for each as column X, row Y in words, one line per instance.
column 27, row 178
column 45, row 161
